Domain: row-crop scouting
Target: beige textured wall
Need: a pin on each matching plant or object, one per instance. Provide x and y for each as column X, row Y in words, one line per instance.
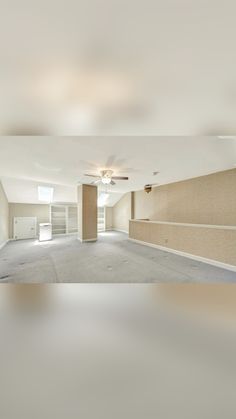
column 108, row 218
column 87, row 212
column 211, row 243
column 4, row 216
column 41, row 211
column 122, row 213
column 204, row 200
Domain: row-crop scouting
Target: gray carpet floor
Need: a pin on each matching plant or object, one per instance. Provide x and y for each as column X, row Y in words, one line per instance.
column 113, row 258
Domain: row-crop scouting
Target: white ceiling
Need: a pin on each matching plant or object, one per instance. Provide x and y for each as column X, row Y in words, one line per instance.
column 111, row 67
column 26, row 162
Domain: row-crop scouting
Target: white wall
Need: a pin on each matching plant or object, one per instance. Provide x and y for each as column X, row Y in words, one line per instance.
column 122, row 213
column 109, row 218
column 4, row 217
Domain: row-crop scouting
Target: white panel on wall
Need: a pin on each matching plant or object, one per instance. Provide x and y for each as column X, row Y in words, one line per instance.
column 24, row 227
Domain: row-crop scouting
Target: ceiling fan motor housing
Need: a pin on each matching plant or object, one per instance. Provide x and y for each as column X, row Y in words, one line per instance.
column 107, row 173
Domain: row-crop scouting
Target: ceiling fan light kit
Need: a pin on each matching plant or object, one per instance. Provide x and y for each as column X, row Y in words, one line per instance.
column 106, row 177
column 106, row 180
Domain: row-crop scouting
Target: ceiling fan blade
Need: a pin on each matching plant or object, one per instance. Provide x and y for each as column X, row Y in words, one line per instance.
column 86, row 174
column 120, row 177
column 113, row 183
column 95, row 182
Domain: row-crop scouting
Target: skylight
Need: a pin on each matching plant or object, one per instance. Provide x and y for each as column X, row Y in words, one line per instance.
column 45, row 194
column 102, row 200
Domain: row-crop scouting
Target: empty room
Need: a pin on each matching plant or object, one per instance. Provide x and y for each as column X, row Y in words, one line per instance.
column 117, row 209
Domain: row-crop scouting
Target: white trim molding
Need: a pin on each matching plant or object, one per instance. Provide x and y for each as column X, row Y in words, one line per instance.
column 121, row 231
column 187, row 255
column 115, row 229
column 2, row 245
column 87, row 240
column 220, row 227
column 64, row 234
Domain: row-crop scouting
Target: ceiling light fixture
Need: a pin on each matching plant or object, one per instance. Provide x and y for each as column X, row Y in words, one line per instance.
column 106, row 180
column 106, row 176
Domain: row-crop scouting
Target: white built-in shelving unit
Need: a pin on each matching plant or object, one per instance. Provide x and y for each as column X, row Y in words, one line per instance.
column 101, row 219
column 64, row 219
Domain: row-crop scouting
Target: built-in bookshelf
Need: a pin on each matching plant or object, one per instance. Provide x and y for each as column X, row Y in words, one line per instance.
column 101, row 219
column 64, row 219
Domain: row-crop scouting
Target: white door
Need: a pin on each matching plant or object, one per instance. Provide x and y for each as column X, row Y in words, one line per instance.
column 24, row 228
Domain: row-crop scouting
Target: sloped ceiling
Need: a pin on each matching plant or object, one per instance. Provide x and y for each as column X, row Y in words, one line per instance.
column 27, row 162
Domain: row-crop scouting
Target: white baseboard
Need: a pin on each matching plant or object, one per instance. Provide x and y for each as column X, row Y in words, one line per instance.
column 188, row 255
column 3, row 244
column 121, row 231
column 64, row 234
column 115, row 229
column 87, row 240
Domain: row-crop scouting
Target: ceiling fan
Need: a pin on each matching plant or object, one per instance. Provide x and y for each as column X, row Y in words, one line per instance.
column 106, row 177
